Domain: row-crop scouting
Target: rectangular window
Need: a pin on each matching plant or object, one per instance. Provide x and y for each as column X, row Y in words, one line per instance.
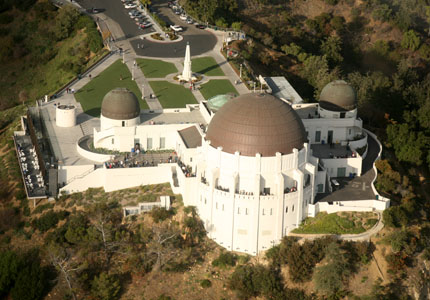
column 149, row 143
column 123, row 123
column 238, row 210
column 317, row 136
column 271, row 211
column 349, row 131
column 205, row 200
column 162, row 142
column 113, row 141
column 286, row 210
column 292, row 208
column 263, row 212
column 246, row 211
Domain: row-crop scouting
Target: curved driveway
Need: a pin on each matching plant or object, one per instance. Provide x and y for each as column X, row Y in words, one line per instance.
column 201, row 41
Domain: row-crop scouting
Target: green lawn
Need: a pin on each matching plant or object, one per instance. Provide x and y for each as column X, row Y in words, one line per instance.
column 152, row 68
column 325, row 223
column 216, row 87
column 91, row 95
column 172, row 95
column 207, row 66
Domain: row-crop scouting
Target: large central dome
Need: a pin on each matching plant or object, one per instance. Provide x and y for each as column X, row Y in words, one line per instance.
column 256, row 123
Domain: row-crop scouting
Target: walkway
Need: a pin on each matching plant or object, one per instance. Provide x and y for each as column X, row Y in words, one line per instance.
column 358, row 188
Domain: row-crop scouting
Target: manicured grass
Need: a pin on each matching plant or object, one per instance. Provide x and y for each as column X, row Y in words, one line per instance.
column 91, row 95
column 153, row 68
column 172, row 95
column 207, row 66
column 330, row 224
column 216, row 87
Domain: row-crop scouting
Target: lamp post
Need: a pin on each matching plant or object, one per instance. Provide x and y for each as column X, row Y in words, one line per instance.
column 240, row 71
column 123, row 57
column 132, row 73
column 143, row 92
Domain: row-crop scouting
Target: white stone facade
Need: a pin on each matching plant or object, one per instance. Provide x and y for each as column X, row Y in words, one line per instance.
column 243, row 201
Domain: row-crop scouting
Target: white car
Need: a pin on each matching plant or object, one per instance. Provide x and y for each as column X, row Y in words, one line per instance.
column 176, row 28
column 183, row 17
column 131, row 5
column 190, row 21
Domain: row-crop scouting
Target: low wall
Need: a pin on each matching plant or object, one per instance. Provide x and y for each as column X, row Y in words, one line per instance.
column 380, row 197
column 123, row 178
column 355, row 205
column 359, row 143
column 187, row 108
column 97, row 157
column 94, row 179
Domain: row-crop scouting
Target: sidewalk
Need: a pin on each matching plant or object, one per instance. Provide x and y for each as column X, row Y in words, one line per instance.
column 141, row 80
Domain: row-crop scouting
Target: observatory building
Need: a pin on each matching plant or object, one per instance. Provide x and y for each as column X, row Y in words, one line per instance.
column 255, row 166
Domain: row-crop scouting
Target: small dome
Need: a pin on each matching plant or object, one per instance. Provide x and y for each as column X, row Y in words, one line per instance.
column 120, row 104
column 338, row 96
column 256, row 123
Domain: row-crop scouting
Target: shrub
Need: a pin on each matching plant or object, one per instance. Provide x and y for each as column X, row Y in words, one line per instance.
column 225, row 259
column 105, row 287
column 49, row 220
column 205, row 283
column 160, row 214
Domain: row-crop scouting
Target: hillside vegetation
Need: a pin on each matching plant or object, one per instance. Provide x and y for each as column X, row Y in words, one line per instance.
column 42, row 48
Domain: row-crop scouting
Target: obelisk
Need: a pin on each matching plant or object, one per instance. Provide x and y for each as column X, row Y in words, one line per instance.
column 187, row 73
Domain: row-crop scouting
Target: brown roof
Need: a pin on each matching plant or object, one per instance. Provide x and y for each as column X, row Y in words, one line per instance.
column 120, row 104
column 256, row 123
column 338, row 96
column 191, row 137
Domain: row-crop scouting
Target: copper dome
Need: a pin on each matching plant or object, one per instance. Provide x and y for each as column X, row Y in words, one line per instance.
column 120, row 104
column 256, row 123
column 338, row 96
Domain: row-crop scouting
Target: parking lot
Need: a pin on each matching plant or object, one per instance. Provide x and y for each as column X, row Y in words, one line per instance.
column 115, row 10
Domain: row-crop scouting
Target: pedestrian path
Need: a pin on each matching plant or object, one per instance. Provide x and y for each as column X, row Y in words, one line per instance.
column 141, row 81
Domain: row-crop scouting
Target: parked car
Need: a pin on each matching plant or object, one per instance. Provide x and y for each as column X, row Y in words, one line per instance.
column 190, row 21
column 131, row 5
column 200, row 26
column 183, row 17
column 176, row 28
column 177, row 12
column 140, row 19
column 132, row 13
column 145, row 25
column 136, row 15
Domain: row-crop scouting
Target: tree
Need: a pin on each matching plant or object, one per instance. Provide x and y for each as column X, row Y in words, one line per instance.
column 407, row 143
column 105, row 218
column 411, row 40
column 106, row 287
column 61, row 260
column 164, row 244
column 382, row 12
column 329, row 278
column 316, row 71
column 9, row 269
column 331, row 48
column 236, row 25
column 31, row 281
column 65, row 21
